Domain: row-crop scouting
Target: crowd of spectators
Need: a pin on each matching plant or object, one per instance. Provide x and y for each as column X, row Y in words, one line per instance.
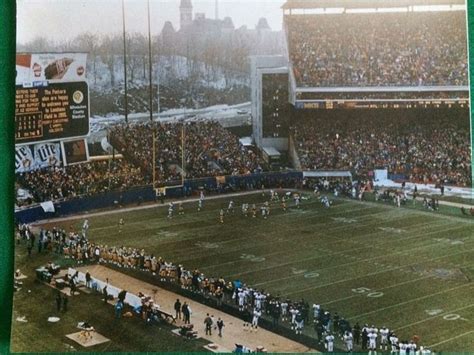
column 423, row 150
column 409, row 95
column 55, row 183
column 276, row 309
column 379, row 49
column 209, row 150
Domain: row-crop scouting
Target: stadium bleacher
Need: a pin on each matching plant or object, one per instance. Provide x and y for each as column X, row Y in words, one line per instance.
column 379, row 49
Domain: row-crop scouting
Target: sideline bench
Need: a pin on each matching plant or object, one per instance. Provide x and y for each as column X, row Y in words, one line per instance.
column 166, row 316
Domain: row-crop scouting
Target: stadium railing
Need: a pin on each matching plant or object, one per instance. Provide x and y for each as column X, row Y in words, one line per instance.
column 144, row 194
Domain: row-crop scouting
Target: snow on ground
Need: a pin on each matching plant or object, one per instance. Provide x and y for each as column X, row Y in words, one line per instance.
column 228, row 116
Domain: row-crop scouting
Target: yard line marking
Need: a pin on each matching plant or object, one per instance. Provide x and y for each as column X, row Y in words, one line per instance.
column 436, row 316
column 377, row 289
column 411, row 300
column 379, row 245
column 450, row 339
column 365, row 260
column 375, row 273
column 185, row 251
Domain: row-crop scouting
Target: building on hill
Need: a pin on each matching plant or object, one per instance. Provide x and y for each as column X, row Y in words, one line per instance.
column 186, row 13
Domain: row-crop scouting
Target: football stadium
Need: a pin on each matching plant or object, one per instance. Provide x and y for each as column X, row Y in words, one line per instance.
column 308, row 190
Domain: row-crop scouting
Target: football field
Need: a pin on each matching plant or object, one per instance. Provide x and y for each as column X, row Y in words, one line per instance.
column 404, row 268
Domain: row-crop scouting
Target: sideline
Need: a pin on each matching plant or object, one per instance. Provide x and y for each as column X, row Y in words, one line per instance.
column 145, row 207
column 221, row 196
column 232, row 332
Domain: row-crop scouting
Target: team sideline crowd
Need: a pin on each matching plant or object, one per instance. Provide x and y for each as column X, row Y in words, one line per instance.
column 327, row 326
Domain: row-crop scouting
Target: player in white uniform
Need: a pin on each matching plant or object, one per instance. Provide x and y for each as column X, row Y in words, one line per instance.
column 256, row 315
column 181, row 209
column 394, row 343
column 200, row 203
column 299, row 322
column 245, row 209
column 330, row 343
column 221, row 216
column 403, row 348
column 372, row 336
column 316, row 308
column 121, row 224
column 384, row 338
column 293, row 312
column 85, row 227
column 348, row 340
column 230, row 208
column 411, row 348
column 170, row 210
column 284, row 310
column 297, row 201
column 258, row 300
column 241, row 296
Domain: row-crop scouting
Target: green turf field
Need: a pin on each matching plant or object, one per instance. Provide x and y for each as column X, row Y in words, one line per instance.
column 405, row 268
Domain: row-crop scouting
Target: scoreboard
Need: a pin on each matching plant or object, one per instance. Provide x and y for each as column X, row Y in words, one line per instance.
column 52, row 112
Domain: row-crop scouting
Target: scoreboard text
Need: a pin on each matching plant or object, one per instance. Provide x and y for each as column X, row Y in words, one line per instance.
column 53, row 112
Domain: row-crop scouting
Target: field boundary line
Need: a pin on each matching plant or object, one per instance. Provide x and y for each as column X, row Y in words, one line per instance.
column 148, row 206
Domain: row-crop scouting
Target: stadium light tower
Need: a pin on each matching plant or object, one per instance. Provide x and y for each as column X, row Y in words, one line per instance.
column 150, row 92
column 150, row 66
column 125, row 61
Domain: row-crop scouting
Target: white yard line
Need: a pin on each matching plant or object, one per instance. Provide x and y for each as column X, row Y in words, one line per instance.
column 378, row 245
column 374, row 273
column 450, row 339
column 378, row 289
column 436, row 316
column 411, row 301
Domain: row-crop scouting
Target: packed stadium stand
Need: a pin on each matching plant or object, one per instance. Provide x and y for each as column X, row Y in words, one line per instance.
column 55, row 183
column 209, row 150
column 379, row 49
column 425, row 148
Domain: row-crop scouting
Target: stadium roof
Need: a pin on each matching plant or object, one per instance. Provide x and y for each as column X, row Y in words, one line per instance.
column 315, row 4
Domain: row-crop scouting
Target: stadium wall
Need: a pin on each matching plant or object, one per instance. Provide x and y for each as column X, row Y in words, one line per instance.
column 138, row 195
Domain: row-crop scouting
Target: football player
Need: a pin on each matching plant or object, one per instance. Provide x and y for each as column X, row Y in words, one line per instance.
column 372, row 336
column 256, row 315
column 348, row 340
column 170, row 210
column 384, row 338
column 221, row 215
column 330, row 343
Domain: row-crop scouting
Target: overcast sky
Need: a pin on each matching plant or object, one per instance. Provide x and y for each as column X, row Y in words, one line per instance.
column 63, row 19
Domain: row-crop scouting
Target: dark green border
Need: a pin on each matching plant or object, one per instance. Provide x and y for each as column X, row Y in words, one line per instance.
column 7, row 86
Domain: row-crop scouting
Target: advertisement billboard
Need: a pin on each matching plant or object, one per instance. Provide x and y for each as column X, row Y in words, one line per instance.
column 51, row 67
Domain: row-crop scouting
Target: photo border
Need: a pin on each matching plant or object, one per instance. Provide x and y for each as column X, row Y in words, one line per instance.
column 7, row 91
